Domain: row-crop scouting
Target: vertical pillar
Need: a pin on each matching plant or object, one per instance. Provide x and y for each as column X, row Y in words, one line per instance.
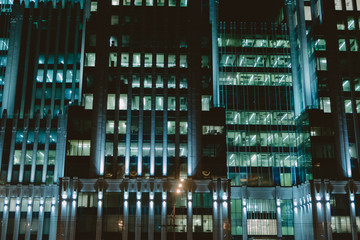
column 213, row 9
column 244, row 218
column 99, row 219
column 128, row 127
column 125, row 232
column 226, row 230
column 2, row 135
column 138, row 217
column 163, row 216
column 12, row 148
column 151, row 217
column 352, row 211
column 215, row 219
column 23, row 148
column 297, row 221
column 53, row 220
column 41, row 219
column 46, row 151
column 189, row 220
column 17, row 219
column 278, row 218
column 35, row 148
column 5, row 219
column 28, row 219
column 60, row 146
column 13, row 56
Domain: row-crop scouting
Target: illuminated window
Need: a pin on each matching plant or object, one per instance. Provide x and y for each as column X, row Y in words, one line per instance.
column 307, row 11
column 159, row 105
column 88, row 101
column 123, row 101
column 111, row 102
column 113, row 60
column 183, row 128
column 113, row 41
column 351, row 23
column 321, row 64
column 149, row 2
column 171, row 61
column 172, row 3
column 160, row 3
column 353, row 45
column 148, row 81
column 148, row 60
column 205, row 102
column 338, row 5
column 171, row 104
column 183, row 103
column 171, row 82
column 159, row 60
column 171, row 127
column 79, row 148
column 340, row 25
column 93, row 7
column 349, row 5
column 346, row 86
column 183, row 3
column 135, row 103
column 115, row 2
column 147, row 102
column 137, row 2
column 348, row 106
column 357, row 84
column 358, row 5
column 342, row 44
column 159, row 82
column 325, row 104
column 183, row 61
column 320, row 45
column 90, row 59
column 126, row 2
column 136, row 60
column 124, row 59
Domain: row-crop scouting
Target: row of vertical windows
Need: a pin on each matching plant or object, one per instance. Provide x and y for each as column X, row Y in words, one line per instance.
column 159, row 3
column 253, row 159
column 230, row 41
column 232, row 60
column 148, row 60
column 349, row 5
column 39, row 157
column 59, row 76
column 255, row 79
column 351, row 45
column 348, row 106
column 134, row 149
column 260, row 117
column 284, row 139
column 30, row 137
column 71, row 59
column 350, row 24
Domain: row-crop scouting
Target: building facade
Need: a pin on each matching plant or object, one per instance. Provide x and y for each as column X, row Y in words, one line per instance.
column 142, row 119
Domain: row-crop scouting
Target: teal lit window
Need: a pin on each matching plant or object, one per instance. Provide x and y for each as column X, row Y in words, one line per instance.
column 171, row 104
column 353, row 45
column 346, row 86
column 342, row 44
column 126, row 2
column 160, row 3
column 148, row 60
column 349, row 5
column 321, row 64
column 148, row 81
column 149, row 2
column 114, row 20
column 172, row 3
column 171, row 60
column 320, row 45
column 124, row 59
column 351, row 23
column 159, row 60
column 340, row 25
column 171, row 82
column 159, row 82
column 147, row 102
column 137, row 2
column 113, row 60
column 183, row 3
column 93, row 7
column 90, row 59
column 135, row 103
column 348, row 106
column 159, row 105
column 136, row 60
column 325, row 104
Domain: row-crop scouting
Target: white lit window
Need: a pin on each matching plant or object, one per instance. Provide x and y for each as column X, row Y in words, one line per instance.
column 340, row 26
column 136, row 60
column 111, row 102
column 321, row 64
column 307, row 11
column 338, row 5
column 160, row 60
column 115, row 2
column 148, row 60
column 79, row 148
column 112, row 59
column 126, row 2
column 138, row 2
column 325, row 104
column 205, row 102
column 149, row 2
column 349, row 5
column 124, row 59
column 93, row 7
column 88, row 101
column 348, row 106
column 123, row 102
column 358, row 5
column 90, row 59
column 159, row 103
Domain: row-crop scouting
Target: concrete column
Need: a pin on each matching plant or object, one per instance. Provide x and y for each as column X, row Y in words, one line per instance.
column 41, row 220
column 163, row 217
column 5, row 218
column 60, row 147
column 353, row 216
column 125, row 232
column 12, row 148
column 138, row 217
column 244, row 219
column 28, row 219
column 297, row 222
column 17, row 219
column 151, row 217
column 216, row 224
column 35, row 148
column 73, row 219
column 53, row 220
column 226, row 227
column 189, row 220
column 328, row 220
column 2, row 135
column 99, row 220
column 23, row 148
column 278, row 217
column 128, row 128
column 13, row 56
column 46, row 152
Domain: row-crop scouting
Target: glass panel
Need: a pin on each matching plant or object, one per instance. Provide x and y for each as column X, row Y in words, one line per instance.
column 338, row 5
column 159, row 103
column 351, row 23
column 171, row 61
column 160, row 60
column 354, row 45
column 136, row 60
column 148, row 60
column 349, row 5
column 124, row 59
column 342, row 45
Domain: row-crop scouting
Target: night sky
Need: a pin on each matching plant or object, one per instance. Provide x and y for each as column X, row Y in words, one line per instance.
column 250, row 10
